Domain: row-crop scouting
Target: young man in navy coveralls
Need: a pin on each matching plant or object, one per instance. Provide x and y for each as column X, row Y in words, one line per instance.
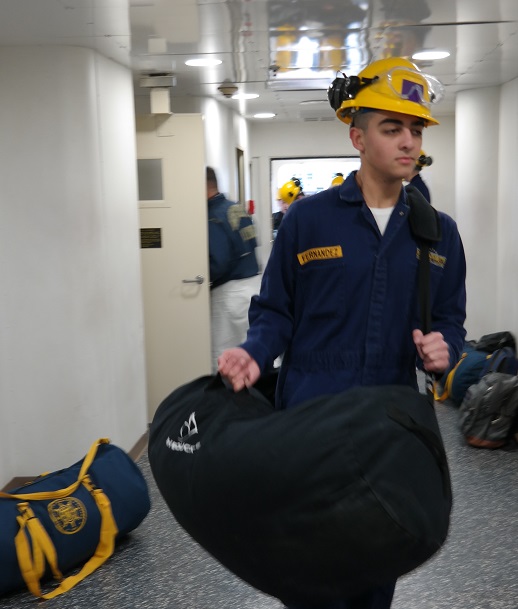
column 339, row 294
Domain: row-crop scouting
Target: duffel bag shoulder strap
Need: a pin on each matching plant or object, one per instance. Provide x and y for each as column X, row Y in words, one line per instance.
column 63, row 492
column 425, row 225
column 33, row 557
column 426, row 228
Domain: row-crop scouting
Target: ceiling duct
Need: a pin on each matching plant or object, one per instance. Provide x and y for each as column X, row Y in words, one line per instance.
column 149, row 81
column 298, row 84
column 159, row 95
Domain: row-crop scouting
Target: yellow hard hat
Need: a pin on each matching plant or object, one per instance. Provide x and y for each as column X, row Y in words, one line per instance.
column 338, row 179
column 290, row 191
column 394, row 84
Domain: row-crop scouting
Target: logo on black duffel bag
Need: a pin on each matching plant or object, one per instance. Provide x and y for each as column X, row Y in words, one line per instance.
column 187, row 432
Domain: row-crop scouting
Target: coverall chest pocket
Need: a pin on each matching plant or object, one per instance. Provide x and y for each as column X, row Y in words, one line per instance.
column 323, row 289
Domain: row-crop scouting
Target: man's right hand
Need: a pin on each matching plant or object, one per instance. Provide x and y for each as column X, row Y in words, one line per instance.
column 238, row 367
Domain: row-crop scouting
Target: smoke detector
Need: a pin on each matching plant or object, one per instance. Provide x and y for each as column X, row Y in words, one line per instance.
column 227, row 88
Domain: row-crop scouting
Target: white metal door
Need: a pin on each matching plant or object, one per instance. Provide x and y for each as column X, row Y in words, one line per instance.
column 174, row 253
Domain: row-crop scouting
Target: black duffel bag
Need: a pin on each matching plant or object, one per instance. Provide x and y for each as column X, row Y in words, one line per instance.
column 311, row 504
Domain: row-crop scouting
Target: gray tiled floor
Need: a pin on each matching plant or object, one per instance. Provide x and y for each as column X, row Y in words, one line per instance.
column 160, row 567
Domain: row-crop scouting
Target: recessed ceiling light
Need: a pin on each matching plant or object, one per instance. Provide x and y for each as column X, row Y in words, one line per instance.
column 204, row 61
column 245, row 95
column 430, row 55
column 264, row 115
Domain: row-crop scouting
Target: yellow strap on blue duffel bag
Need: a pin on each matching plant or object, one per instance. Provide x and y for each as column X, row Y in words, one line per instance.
column 442, row 388
column 466, row 372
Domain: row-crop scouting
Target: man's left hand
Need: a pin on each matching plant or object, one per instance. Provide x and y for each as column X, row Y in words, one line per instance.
column 433, row 350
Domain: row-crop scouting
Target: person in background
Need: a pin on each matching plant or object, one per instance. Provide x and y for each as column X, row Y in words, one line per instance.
column 291, row 191
column 338, row 179
column 288, row 192
column 415, row 178
column 279, row 215
column 339, row 293
column 234, row 270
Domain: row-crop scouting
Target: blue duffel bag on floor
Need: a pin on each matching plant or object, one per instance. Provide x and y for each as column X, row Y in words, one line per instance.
column 69, row 518
column 310, row 504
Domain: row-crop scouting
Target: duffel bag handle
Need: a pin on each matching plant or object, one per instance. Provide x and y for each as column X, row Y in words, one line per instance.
column 218, row 383
column 63, row 492
column 32, row 563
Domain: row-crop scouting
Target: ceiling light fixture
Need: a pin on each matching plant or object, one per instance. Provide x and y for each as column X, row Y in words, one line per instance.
column 430, row 55
column 245, row 96
column 203, row 62
column 264, row 115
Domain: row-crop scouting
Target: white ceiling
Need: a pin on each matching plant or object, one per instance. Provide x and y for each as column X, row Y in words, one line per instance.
column 253, row 38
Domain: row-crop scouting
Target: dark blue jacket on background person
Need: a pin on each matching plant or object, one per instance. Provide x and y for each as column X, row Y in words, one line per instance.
column 232, row 242
column 419, row 183
column 340, row 300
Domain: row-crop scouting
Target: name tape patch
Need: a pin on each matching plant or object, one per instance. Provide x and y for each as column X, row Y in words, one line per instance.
column 320, row 253
column 435, row 258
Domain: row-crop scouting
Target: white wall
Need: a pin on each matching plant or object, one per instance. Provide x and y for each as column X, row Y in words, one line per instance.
column 477, row 203
column 439, row 143
column 71, row 344
column 507, row 244
column 225, row 130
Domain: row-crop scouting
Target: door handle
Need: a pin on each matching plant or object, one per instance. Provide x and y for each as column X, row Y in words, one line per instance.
column 199, row 279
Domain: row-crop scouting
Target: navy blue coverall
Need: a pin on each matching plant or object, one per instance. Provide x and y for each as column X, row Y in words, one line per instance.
column 232, row 242
column 340, row 301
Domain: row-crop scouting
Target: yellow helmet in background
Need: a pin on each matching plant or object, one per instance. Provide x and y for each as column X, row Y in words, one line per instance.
column 423, row 160
column 338, row 179
column 289, row 191
column 394, row 84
